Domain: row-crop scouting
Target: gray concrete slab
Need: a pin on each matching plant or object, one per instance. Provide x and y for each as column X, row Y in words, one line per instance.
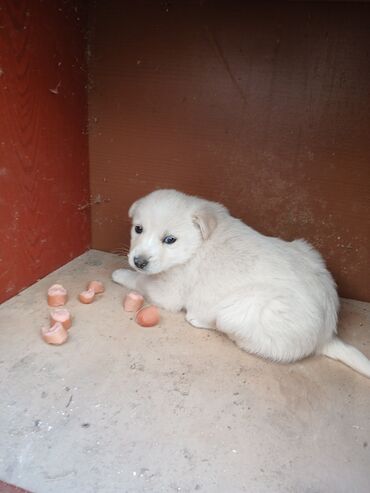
column 120, row 408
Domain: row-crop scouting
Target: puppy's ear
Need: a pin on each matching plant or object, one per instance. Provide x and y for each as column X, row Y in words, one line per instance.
column 132, row 209
column 205, row 219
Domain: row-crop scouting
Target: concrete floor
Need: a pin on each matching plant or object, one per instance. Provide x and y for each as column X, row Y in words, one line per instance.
column 120, row 408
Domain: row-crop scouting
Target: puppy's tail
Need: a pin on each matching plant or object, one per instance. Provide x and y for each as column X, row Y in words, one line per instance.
column 349, row 355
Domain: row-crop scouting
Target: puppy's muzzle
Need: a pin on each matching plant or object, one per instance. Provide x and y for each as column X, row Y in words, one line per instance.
column 141, row 262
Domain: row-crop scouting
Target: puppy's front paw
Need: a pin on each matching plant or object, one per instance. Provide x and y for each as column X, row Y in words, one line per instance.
column 125, row 277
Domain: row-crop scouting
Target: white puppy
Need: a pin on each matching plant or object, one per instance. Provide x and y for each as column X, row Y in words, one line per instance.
column 273, row 298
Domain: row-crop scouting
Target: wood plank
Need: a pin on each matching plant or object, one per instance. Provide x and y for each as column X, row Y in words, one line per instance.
column 43, row 141
column 263, row 106
column 10, row 488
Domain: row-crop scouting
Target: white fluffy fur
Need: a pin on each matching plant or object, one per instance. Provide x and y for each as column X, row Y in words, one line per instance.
column 273, row 298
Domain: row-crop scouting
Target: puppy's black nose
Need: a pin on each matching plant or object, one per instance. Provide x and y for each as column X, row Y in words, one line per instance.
column 140, row 262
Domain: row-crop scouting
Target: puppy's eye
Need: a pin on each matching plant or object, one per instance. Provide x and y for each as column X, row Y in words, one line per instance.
column 138, row 230
column 169, row 239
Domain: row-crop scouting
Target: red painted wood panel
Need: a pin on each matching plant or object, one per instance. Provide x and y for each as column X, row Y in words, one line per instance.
column 44, row 221
column 9, row 488
column 264, row 106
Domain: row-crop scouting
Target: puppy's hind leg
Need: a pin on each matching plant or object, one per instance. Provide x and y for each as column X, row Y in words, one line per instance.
column 269, row 322
column 198, row 323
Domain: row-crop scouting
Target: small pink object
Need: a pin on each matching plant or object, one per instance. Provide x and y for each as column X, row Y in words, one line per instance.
column 56, row 334
column 96, row 286
column 57, row 295
column 133, row 302
column 148, row 316
column 61, row 315
column 87, row 296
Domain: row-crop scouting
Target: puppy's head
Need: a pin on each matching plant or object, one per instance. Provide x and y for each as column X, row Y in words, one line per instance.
column 167, row 229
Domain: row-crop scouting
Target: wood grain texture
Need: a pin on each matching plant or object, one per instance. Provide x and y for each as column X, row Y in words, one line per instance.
column 262, row 106
column 9, row 488
column 44, row 221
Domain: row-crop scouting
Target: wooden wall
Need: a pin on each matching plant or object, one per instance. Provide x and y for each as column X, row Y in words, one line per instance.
column 44, row 221
column 263, row 106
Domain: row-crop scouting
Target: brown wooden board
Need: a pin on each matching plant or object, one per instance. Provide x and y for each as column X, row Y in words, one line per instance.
column 44, row 221
column 9, row 488
column 262, row 106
